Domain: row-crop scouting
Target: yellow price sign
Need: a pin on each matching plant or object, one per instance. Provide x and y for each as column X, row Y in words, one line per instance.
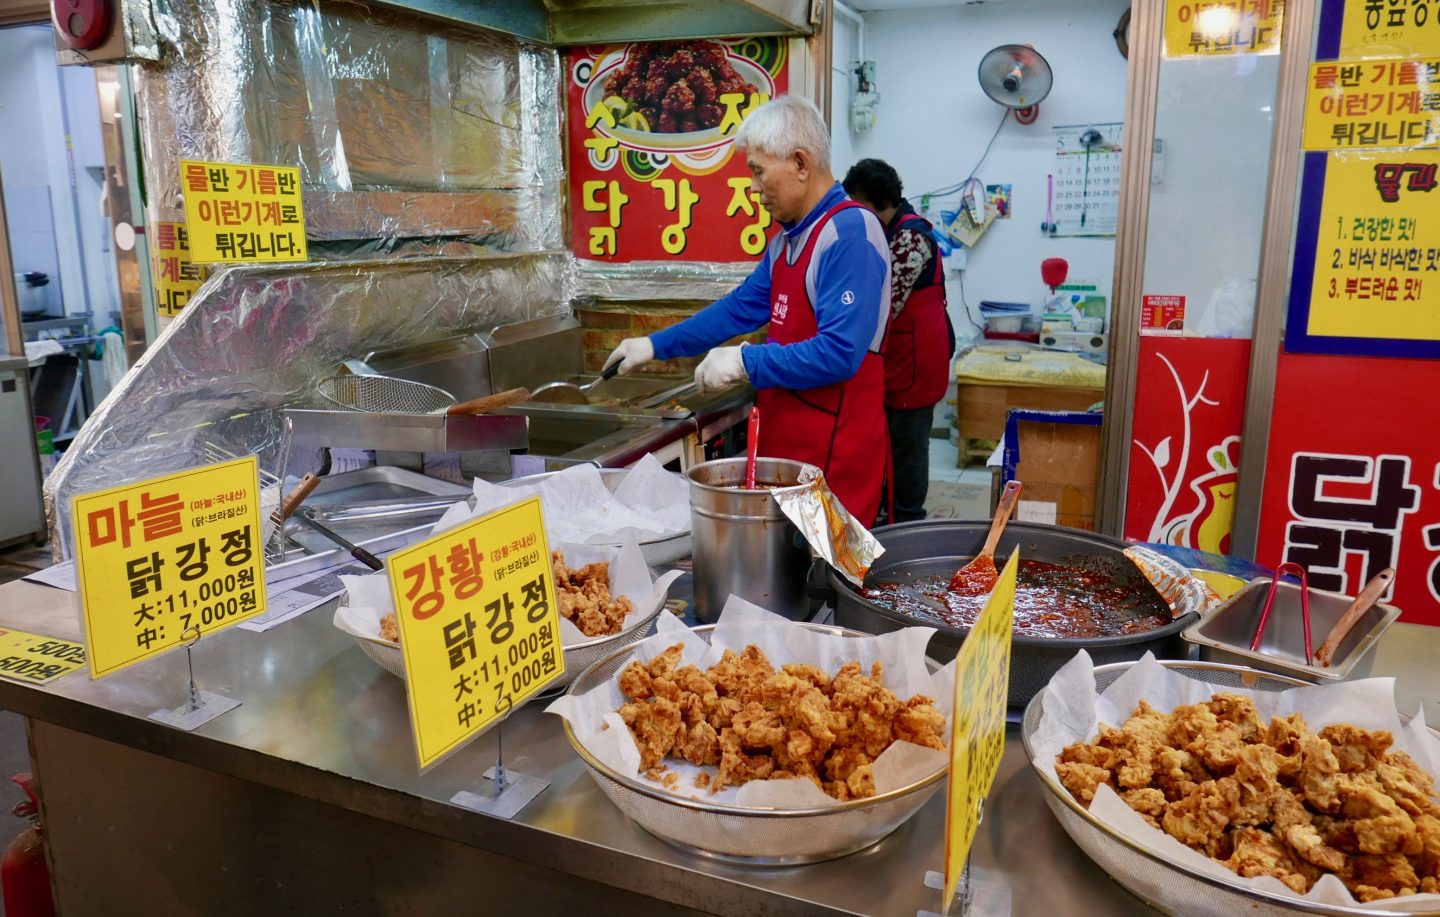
column 1210, row 28
column 176, row 276
column 239, row 212
column 977, row 739
column 479, row 626
column 37, row 659
column 157, row 558
column 1378, row 248
column 1376, row 104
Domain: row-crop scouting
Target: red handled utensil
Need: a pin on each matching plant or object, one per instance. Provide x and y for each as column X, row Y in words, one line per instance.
column 1290, row 569
column 753, row 435
column 980, row 575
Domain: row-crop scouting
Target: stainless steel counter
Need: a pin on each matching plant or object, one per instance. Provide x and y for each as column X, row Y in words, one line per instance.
column 306, row 797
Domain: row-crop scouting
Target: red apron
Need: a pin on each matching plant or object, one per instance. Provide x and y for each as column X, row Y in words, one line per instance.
column 839, row 427
column 919, row 345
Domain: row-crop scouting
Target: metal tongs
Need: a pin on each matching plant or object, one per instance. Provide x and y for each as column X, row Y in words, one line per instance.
column 1286, row 569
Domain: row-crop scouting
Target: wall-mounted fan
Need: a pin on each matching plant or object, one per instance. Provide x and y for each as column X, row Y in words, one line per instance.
column 1017, row 77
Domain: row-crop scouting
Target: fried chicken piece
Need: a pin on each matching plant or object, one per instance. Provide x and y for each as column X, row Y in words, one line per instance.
column 1089, row 753
column 1294, row 825
column 920, row 723
column 1427, row 862
column 1379, row 824
column 724, row 712
column 1132, row 756
column 390, row 628
column 737, row 767
column 843, row 762
column 1356, row 749
column 756, row 727
column 700, row 744
column 1318, row 770
column 1204, row 815
column 1147, row 801
column 1373, row 878
column 1149, row 724
column 583, row 596
column 1189, row 722
column 635, row 682
column 664, row 664
column 810, row 673
column 694, row 685
column 1284, row 734
column 1218, row 748
column 872, row 708
column 861, row 782
column 1082, row 780
column 1178, row 773
column 1411, row 788
column 1257, row 774
column 741, row 676
column 1260, row 853
column 1239, row 710
column 655, row 725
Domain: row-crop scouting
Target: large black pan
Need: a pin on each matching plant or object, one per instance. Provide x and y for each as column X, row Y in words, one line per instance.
column 916, row 550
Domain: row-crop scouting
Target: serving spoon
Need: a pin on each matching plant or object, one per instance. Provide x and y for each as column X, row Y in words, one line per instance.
column 980, row 575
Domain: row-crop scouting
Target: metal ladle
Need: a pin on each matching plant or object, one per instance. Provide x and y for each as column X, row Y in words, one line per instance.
column 562, row 392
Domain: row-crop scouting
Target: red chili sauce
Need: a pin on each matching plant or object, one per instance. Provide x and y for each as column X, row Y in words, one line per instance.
column 1051, row 600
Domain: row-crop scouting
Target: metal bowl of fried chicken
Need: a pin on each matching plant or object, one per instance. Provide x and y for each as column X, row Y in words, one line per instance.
column 751, row 835
column 1289, row 842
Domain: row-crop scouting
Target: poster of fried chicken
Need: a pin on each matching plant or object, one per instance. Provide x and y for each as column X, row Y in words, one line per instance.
column 654, row 175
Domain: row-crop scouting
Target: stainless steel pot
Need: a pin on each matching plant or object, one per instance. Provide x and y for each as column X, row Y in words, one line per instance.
column 917, row 550
column 742, row 543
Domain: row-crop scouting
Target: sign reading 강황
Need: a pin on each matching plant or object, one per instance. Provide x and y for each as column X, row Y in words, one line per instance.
column 1209, row 28
column 176, row 276
column 977, row 739
column 1376, row 104
column 243, row 212
column 36, row 659
column 479, row 626
column 157, row 558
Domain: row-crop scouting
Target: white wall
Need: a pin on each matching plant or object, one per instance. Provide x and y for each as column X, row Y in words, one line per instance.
column 934, row 122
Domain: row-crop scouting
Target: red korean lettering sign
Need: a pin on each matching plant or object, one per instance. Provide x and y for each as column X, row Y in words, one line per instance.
column 654, row 174
column 239, row 212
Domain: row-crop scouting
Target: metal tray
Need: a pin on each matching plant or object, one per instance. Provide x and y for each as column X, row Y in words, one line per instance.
column 1224, row 634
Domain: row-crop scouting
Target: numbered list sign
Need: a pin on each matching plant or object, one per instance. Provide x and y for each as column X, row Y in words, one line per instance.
column 478, row 623
column 977, row 739
column 35, row 659
column 157, row 558
column 243, row 212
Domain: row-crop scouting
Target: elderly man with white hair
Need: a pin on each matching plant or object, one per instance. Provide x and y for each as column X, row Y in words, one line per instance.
column 824, row 287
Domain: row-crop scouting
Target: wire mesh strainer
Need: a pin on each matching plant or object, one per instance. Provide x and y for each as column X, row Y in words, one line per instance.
column 1169, row 887
column 384, row 395
column 749, row 836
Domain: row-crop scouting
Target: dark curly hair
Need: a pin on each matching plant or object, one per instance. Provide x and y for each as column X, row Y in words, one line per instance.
column 875, row 181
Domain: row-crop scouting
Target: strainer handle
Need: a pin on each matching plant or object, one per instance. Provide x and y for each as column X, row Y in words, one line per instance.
column 490, row 402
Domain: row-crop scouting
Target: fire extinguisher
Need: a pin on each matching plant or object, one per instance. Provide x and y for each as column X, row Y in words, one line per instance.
column 24, row 876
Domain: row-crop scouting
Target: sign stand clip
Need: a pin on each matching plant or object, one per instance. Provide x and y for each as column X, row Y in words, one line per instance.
column 503, row 793
column 200, row 707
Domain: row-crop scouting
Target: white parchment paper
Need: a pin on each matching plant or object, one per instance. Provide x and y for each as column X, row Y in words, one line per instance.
column 649, row 503
column 741, row 623
column 1073, row 712
column 368, row 597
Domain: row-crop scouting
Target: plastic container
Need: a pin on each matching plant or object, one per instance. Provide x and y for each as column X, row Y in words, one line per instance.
column 741, row 542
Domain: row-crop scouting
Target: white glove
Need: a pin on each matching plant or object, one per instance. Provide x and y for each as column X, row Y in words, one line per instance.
column 721, row 368
column 631, row 354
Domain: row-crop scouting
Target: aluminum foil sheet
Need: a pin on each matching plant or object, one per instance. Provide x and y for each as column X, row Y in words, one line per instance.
column 832, row 532
column 1181, row 590
column 255, row 340
column 659, row 280
column 401, row 127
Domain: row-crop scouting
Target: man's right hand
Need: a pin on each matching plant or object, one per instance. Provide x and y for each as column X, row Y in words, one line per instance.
column 631, row 354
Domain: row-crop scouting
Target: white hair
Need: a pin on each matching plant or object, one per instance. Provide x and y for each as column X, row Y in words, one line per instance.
column 784, row 125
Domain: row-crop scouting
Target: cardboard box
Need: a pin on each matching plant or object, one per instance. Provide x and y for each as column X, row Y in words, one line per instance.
column 981, row 407
column 1060, row 469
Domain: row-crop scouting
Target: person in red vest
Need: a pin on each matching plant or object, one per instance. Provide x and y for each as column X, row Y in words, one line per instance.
column 824, row 288
column 921, row 340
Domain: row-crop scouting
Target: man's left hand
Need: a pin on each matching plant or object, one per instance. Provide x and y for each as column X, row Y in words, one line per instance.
column 721, row 368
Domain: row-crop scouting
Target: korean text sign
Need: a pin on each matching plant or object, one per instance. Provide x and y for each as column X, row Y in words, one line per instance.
column 37, row 659
column 161, row 557
column 977, row 740
column 1373, row 104
column 1380, row 28
column 654, row 174
column 479, row 626
column 1207, row 28
column 243, row 212
column 176, row 276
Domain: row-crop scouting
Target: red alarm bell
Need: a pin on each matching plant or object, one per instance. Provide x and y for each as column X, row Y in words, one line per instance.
column 82, row 24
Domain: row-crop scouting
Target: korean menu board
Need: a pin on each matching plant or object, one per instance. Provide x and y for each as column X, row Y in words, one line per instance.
column 654, row 173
